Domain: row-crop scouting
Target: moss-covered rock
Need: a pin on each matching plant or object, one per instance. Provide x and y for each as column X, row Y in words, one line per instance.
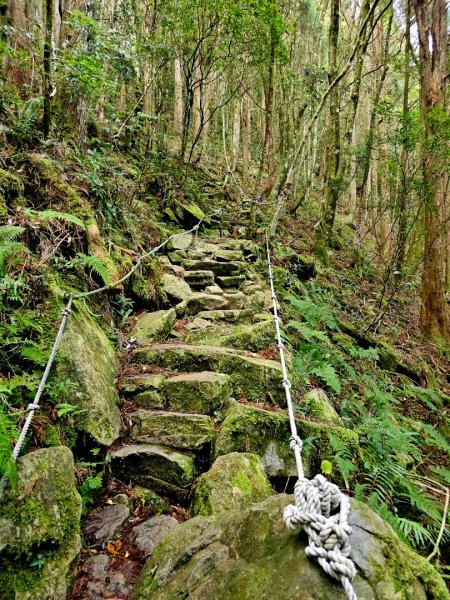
column 228, row 316
column 253, row 378
column 39, row 528
column 142, row 383
column 177, row 430
column 199, row 279
column 180, row 242
column 238, row 301
column 200, row 302
column 242, row 337
column 317, row 404
column 90, row 362
column 157, row 467
column 231, row 281
column 234, row 482
column 154, row 326
column 174, row 288
column 217, row 267
column 187, row 213
column 202, row 392
column 267, row 433
column 251, row 554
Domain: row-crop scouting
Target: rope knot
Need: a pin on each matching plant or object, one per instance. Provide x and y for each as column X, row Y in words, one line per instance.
column 328, row 534
column 65, row 312
column 32, row 406
column 295, row 440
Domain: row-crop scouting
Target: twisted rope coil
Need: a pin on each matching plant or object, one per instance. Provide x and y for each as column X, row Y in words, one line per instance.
column 320, row 508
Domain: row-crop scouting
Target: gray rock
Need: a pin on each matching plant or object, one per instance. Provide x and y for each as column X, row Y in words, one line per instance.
column 40, row 516
column 317, row 404
column 231, row 281
column 91, row 363
column 252, row 555
column 177, row 430
column 200, row 302
column 101, row 577
column 180, row 242
column 217, row 267
column 175, row 288
column 157, row 467
column 234, row 482
column 149, row 534
column 104, row 523
column 201, row 392
column 154, row 326
column 199, row 279
column 215, row 290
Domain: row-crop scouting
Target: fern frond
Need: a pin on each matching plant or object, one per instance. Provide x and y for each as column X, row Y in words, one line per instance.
column 95, row 263
column 328, row 375
column 54, row 215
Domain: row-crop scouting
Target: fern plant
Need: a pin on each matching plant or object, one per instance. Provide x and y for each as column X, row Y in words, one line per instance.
column 46, row 216
column 10, row 247
column 94, row 263
column 7, row 436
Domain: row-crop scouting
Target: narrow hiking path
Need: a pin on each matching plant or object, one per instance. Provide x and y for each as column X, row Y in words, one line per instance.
column 210, row 352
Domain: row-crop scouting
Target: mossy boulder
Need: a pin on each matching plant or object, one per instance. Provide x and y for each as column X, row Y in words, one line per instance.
column 234, row 482
column 89, row 361
column 187, row 213
column 154, row 326
column 199, row 302
column 317, row 404
column 250, row 554
column 267, row 433
column 242, row 337
column 162, row 469
column 253, row 378
column 228, row 316
column 174, row 288
column 40, row 521
column 202, row 392
column 217, row 267
column 181, row 241
column 199, row 279
column 177, row 430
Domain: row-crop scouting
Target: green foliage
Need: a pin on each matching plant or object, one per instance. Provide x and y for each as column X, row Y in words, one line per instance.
column 7, row 436
column 11, row 250
column 94, row 263
column 46, row 216
column 88, row 488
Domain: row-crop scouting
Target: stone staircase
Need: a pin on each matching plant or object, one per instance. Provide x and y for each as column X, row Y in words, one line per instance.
column 195, row 361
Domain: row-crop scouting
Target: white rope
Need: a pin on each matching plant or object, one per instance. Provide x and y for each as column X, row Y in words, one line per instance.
column 316, row 499
column 31, row 408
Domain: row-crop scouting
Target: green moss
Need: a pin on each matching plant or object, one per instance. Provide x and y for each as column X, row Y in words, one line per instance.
column 52, row 437
column 11, row 191
column 241, row 482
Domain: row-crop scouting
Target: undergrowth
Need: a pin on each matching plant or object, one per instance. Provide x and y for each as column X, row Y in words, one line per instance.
column 401, row 467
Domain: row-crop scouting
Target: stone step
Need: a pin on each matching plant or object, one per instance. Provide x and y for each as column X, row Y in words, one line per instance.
column 242, row 337
column 155, row 467
column 177, row 430
column 154, row 326
column 217, row 267
column 231, row 281
column 200, row 302
column 227, row 316
column 199, row 279
column 254, row 378
column 202, row 392
column 174, row 288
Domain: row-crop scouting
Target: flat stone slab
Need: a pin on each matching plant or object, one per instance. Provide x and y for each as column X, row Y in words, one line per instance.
column 150, row 533
column 180, row 242
column 243, row 337
column 141, row 383
column 200, row 302
column 201, row 392
column 154, row 326
column 237, row 300
column 253, row 378
column 231, row 281
column 217, row 267
column 214, row 289
column 157, row 467
column 199, row 279
column 227, row 316
column 105, row 522
column 178, row 430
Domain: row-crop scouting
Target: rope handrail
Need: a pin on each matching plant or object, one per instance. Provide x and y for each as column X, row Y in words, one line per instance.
column 65, row 313
column 315, row 500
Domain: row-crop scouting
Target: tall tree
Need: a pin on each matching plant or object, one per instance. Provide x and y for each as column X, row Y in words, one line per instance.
column 431, row 18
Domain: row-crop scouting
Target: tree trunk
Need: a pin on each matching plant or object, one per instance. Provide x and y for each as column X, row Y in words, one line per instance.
column 431, row 18
column 246, row 130
column 47, row 87
column 178, row 98
column 332, row 184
